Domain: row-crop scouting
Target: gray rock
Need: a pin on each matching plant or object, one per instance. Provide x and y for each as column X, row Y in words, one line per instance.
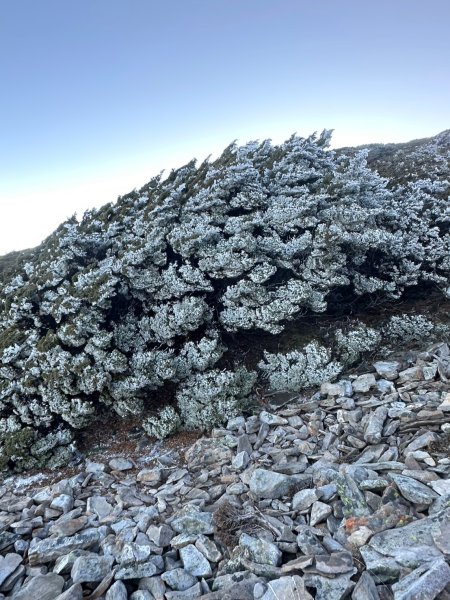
column 63, row 502
column 375, row 424
column 424, row 583
column 335, row 588
column 87, row 569
column 154, row 585
column 99, row 506
column 241, row 460
column 191, row 520
column 141, row 595
column 160, row 535
column 441, row 486
column 383, row 568
column 387, row 369
column 8, row 564
column 149, row 476
column 271, row 419
column 308, row 543
column 44, row 587
column 269, row 484
column 120, row 464
column 193, row 592
column 286, row 587
column 208, row 548
column 335, row 563
column 137, row 571
column 417, row 535
column 194, row 562
column 65, row 563
column 365, row 589
column 422, row 441
column 207, row 452
column 75, row 592
column 261, row 551
column 363, row 383
column 353, row 501
column 50, row 549
column 413, row 490
column 179, row 579
column 319, row 512
column 117, row 591
column 303, row 499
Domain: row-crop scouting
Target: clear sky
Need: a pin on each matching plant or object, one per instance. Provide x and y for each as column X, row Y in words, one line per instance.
column 96, row 96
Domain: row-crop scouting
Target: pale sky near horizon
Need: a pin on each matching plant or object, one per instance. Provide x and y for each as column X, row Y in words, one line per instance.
column 97, row 96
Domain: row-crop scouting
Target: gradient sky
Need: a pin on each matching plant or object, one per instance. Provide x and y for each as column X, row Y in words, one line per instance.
column 99, row 95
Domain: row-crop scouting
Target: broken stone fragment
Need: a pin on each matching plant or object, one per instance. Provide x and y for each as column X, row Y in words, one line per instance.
column 261, row 551
column 269, row 484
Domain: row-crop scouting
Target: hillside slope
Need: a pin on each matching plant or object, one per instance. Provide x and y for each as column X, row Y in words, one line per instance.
column 163, row 304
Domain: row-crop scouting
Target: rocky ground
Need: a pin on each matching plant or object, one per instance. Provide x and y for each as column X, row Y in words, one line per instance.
column 343, row 494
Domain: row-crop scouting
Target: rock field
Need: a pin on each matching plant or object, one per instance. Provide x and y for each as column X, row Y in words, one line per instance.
column 344, row 494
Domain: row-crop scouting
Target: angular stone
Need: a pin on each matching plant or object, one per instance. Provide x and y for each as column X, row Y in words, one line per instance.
column 319, row 512
column 149, row 476
column 241, row 460
column 154, row 585
column 68, row 527
column 99, row 506
column 424, row 583
column 308, row 543
column 335, row 588
column 413, row 490
column 441, row 486
column 117, row 591
column 207, row 452
column 261, row 551
column 208, row 548
column 87, row 569
column 120, row 464
column 50, row 549
column 286, row 587
column 63, row 502
column 137, row 571
column 363, row 383
column 422, row 441
column 387, row 369
column 411, row 374
column 194, row 592
column 375, row 424
column 75, row 592
column 365, row 589
column 194, row 562
column 8, row 564
column 191, row 520
column 335, row 563
column 416, row 536
column 303, row 499
column 353, row 502
column 269, row 484
column 44, row 587
column 271, row 419
column 160, row 535
column 445, row 404
column 179, row 579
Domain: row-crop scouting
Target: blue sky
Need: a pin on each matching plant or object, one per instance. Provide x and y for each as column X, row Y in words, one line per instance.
column 99, row 95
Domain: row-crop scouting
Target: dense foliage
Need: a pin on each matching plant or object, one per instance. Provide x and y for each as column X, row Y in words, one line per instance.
column 143, row 294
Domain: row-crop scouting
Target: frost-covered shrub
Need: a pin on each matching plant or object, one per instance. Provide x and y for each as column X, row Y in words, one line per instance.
column 209, row 399
column 415, row 328
column 142, row 294
column 299, row 369
column 166, row 422
column 352, row 343
column 407, row 328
